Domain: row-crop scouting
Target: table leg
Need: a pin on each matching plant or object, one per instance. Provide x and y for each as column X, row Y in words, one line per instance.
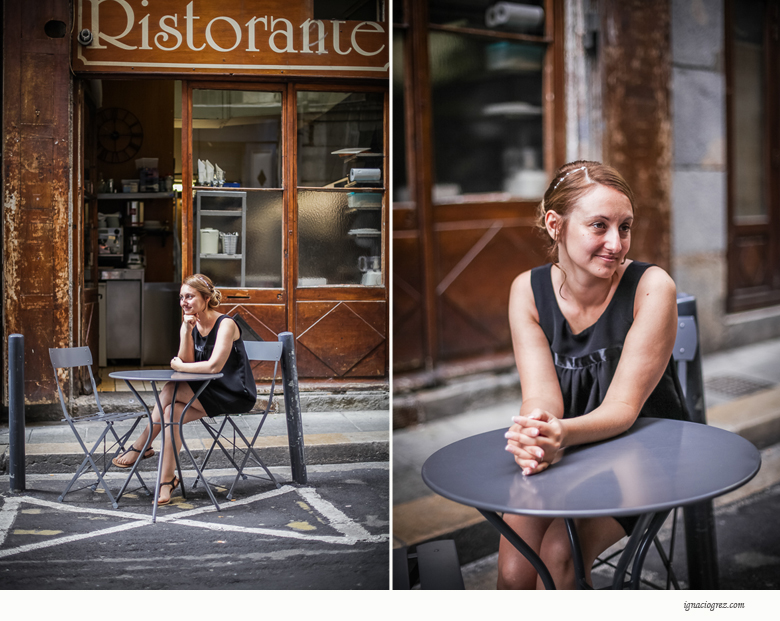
column 186, row 448
column 134, row 467
column 162, row 451
column 634, row 541
column 181, row 435
column 524, row 549
column 652, row 530
column 576, row 555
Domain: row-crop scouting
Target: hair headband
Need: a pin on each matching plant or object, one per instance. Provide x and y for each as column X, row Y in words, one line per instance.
column 204, row 281
column 585, row 168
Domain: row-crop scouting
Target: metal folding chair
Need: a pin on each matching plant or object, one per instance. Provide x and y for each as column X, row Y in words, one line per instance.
column 68, row 358
column 257, row 351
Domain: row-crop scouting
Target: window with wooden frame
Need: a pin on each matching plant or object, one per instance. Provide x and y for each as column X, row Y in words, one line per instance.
column 753, row 109
column 478, row 130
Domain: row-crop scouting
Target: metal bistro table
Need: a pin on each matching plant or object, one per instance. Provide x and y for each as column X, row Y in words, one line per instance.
column 649, row 470
column 162, row 375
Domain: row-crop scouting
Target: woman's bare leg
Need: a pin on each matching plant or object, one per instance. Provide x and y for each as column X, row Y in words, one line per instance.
column 514, row 570
column 595, row 536
column 129, row 458
column 550, row 540
column 194, row 412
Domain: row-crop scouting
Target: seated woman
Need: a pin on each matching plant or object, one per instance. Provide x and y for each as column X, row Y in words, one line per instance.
column 593, row 335
column 210, row 342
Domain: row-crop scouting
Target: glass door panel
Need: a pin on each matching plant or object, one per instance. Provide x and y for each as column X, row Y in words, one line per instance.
column 748, row 114
column 339, row 238
column 238, row 203
column 340, row 178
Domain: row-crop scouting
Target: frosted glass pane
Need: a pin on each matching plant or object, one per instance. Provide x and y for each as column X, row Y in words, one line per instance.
column 329, row 123
column 487, row 116
column 264, row 240
column 336, row 229
column 241, row 132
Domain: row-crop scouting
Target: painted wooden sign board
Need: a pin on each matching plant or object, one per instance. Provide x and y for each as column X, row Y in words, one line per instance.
column 247, row 37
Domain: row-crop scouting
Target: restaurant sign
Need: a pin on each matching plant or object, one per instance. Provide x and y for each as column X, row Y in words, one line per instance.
column 245, row 37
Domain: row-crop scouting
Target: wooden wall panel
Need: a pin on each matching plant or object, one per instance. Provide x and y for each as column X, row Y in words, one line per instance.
column 341, row 339
column 267, row 320
column 637, row 118
column 477, row 262
column 36, row 156
column 408, row 295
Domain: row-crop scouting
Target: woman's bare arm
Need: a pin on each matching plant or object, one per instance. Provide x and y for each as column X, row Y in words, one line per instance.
column 538, row 379
column 227, row 332
column 534, row 360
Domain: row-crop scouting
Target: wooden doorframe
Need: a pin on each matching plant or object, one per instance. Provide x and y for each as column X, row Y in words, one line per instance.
column 769, row 293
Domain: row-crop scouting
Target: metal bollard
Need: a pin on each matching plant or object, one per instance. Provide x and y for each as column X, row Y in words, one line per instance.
column 700, row 542
column 292, row 407
column 16, row 412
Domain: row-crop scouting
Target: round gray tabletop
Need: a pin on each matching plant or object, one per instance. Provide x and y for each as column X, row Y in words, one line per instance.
column 656, row 465
column 162, row 375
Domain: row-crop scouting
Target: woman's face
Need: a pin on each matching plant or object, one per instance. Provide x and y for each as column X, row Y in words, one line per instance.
column 191, row 301
column 598, row 234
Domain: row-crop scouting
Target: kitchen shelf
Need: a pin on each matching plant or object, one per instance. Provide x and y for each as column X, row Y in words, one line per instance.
column 125, row 196
column 228, row 213
column 222, row 257
column 205, row 199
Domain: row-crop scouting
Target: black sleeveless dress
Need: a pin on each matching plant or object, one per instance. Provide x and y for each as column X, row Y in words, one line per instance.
column 233, row 393
column 586, row 362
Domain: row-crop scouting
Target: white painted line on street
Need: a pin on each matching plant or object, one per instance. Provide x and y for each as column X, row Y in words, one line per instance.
column 281, row 533
column 336, row 518
column 209, row 508
column 69, row 539
column 352, row 532
column 59, row 506
column 7, row 516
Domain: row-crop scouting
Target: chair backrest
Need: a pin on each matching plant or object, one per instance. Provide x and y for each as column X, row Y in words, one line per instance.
column 269, row 351
column 68, row 358
column 687, row 355
column 265, row 351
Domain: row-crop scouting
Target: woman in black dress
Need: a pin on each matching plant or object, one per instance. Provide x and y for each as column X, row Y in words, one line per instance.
column 593, row 334
column 210, row 342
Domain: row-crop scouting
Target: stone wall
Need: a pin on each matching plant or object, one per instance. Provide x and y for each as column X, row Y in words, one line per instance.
column 699, row 180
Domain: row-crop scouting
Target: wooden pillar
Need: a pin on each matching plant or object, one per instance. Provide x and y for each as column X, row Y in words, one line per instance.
column 419, row 112
column 637, row 122
column 36, row 186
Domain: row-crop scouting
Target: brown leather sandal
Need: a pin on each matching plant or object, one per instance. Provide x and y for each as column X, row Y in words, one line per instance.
column 174, row 483
column 149, row 453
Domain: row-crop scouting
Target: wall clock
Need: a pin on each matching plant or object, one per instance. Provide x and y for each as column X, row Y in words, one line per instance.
column 120, row 135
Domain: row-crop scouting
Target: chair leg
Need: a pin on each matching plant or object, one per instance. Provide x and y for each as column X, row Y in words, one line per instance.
column 88, row 459
column 120, row 441
column 251, row 450
column 215, row 436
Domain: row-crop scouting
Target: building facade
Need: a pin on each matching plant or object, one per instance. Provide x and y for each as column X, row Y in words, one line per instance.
column 144, row 141
column 681, row 96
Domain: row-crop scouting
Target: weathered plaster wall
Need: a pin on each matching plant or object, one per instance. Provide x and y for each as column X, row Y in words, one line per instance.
column 36, row 188
column 699, row 181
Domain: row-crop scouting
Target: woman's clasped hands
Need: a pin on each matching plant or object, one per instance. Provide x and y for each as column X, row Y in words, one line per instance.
column 535, row 441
